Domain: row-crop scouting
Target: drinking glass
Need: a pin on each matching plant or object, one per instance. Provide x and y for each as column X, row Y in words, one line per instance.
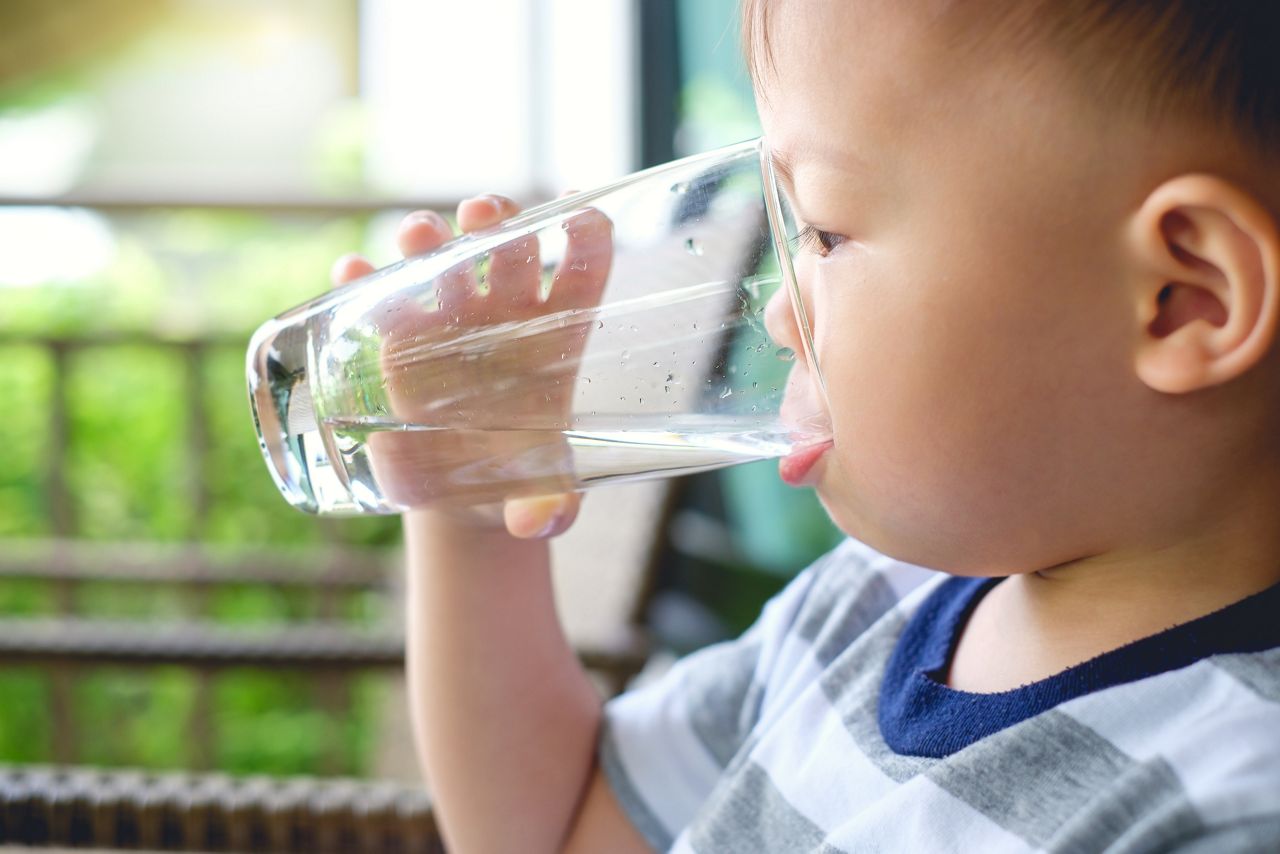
column 612, row 335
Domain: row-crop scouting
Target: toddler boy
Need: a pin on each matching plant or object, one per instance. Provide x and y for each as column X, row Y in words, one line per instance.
column 1042, row 269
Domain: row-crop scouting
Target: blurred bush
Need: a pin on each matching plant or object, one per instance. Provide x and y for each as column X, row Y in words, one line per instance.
column 184, row 274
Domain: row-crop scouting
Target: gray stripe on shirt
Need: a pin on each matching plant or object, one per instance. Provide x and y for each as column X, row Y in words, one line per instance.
column 852, row 685
column 1245, row 837
column 750, row 814
column 628, row 795
column 1035, row 776
column 722, row 707
column 1144, row 809
column 845, row 615
column 1260, row 671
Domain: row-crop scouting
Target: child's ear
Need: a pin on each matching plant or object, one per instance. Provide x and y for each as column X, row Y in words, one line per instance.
column 1208, row 288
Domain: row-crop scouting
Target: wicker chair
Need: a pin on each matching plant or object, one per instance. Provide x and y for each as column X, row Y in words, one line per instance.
column 123, row 809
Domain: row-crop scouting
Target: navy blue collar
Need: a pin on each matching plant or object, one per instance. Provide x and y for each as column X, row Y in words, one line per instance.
column 921, row 716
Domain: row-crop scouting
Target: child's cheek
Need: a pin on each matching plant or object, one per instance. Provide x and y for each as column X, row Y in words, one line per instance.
column 907, row 395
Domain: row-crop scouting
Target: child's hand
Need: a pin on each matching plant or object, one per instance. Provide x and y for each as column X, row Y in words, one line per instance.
column 414, row 468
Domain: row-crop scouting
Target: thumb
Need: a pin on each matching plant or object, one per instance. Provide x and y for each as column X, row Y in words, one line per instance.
column 541, row 516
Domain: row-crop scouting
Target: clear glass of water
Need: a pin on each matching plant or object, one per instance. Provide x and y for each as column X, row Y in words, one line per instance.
column 613, row 335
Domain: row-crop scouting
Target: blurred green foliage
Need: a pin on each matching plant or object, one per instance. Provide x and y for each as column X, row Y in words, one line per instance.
column 172, row 274
column 124, row 463
column 175, row 275
column 26, row 377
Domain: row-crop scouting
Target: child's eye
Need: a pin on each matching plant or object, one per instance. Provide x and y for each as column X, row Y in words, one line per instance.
column 818, row 241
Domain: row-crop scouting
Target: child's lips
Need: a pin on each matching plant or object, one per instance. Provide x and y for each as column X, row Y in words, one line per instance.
column 811, row 429
column 795, row 467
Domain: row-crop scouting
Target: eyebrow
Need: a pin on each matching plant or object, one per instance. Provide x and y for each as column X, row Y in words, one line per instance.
column 782, row 166
column 844, row 161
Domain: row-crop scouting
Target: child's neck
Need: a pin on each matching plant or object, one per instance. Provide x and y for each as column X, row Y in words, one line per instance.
column 1036, row 624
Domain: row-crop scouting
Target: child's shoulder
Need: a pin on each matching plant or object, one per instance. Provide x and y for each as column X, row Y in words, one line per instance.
column 1212, row 729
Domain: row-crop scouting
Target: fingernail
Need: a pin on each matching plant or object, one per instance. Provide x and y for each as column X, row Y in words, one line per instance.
column 552, row 525
column 429, row 217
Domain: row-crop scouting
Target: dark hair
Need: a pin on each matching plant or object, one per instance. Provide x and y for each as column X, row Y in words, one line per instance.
column 1214, row 62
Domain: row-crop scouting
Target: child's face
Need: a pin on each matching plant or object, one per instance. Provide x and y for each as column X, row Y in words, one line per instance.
column 970, row 325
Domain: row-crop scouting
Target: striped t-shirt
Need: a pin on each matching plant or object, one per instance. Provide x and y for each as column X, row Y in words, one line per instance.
column 823, row 728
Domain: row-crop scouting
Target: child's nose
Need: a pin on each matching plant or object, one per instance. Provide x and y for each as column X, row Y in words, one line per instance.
column 780, row 321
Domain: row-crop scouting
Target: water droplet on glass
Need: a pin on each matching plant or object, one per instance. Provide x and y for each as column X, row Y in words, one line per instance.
column 528, row 259
column 680, row 188
column 786, row 354
column 642, row 400
column 600, row 325
column 755, row 385
column 655, row 364
column 666, row 389
column 760, row 348
column 635, row 328
column 692, row 246
column 695, row 324
column 726, row 393
column 754, row 407
column 626, row 354
column 669, row 378
column 579, row 266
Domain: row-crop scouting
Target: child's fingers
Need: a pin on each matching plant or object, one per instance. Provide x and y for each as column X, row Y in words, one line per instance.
column 580, row 279
column 515, row 272
column 541, row 516
column 515, row 269
column 484, row 211
column 422, row 231
column 349, row 268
